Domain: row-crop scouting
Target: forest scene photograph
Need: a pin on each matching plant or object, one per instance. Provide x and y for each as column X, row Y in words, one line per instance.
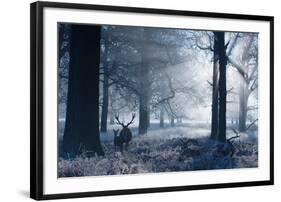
column 135, row 100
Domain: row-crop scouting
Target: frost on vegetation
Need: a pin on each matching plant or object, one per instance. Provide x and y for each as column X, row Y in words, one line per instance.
column 148, row 155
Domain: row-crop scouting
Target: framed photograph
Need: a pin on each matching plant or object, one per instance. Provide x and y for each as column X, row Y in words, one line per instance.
column 134, row 100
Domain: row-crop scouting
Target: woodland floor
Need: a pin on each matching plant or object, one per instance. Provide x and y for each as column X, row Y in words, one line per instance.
column 181, row 148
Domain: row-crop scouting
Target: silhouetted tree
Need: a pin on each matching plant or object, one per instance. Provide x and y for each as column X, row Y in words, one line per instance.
column 81, row 132
column 105, row 88
column 222, row 85
column 215, row 90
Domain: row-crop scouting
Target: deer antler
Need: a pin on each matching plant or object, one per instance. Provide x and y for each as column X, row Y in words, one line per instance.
column 117, row 119
column 133, row 117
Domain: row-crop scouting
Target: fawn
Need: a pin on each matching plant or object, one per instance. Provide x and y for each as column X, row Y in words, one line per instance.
column 117, row 140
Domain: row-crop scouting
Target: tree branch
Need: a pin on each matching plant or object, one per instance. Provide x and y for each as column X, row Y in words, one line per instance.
column 251, row 124
column 234, row 137
column 237, row 66
column 210, row 83
column 253, row 86
column 232, row 45
column 203, row 48
column 229, row 90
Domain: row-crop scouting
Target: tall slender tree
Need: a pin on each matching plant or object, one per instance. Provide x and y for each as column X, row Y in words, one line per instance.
column 222, row 85
column 161, row 116
column 105, row 99
column 215, row 87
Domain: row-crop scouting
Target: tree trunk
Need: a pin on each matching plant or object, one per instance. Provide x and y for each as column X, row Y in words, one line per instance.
column 82, row 127
column 148, row 117
column 63, row 48
column 112, row 111
column 61, row 51
column 222, row 86
column 63, row 45
column 172, row 121
column 244, row 85
column 104, row 112
column 161, row 117
column 179, row 120
column 243, row 106
column 143, row 115
column 111, row 119
column 215, row 96
column 61, row 39
column 144, row 97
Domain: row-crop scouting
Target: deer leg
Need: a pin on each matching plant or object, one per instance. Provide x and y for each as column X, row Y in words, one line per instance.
column 121, row 147
column 126, row 146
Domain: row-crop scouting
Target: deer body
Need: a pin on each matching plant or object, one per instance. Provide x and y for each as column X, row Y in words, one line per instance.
column 125, row 135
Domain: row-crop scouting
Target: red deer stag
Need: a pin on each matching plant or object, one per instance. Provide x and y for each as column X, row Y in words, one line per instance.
column 125, row 134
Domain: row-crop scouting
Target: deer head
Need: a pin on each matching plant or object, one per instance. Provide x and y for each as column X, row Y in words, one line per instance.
column 125, row 125
column 115, row 132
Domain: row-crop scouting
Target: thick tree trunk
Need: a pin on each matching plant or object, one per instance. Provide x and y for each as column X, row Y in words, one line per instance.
column 243, row 106
column 161, row 117
column 244, row 85
column 144, row 97
column 82, row 127
column 222, row 87
column 215, row 96
column 144, row 102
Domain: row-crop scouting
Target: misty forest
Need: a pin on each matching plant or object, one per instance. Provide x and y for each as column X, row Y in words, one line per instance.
column 148, row 100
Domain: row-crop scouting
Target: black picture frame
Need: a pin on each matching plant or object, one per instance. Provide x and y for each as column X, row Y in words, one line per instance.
column 37, row 99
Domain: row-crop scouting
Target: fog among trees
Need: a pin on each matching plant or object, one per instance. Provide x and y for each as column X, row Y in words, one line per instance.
column 195, row 92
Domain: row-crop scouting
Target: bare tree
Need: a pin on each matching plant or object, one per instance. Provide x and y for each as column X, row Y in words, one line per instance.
column 246, row 64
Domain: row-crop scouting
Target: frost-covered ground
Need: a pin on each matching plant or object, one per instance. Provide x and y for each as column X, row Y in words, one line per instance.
column 182, row 148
